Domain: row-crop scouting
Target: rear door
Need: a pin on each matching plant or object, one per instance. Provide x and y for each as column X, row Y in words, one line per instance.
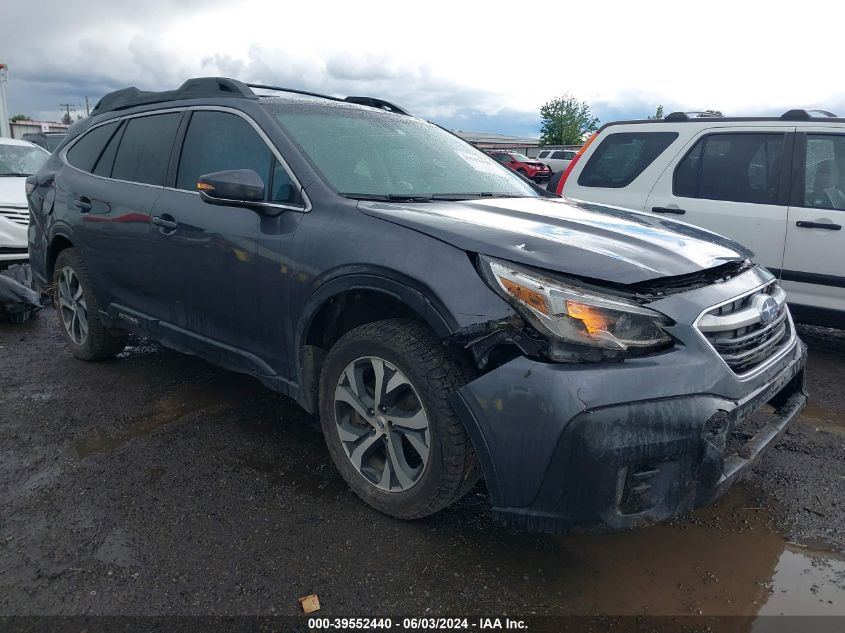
column 814, row 260
column 735, row 183
column 118, row 173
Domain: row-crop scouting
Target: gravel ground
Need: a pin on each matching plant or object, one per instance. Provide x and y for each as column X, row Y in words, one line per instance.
column 156, row 484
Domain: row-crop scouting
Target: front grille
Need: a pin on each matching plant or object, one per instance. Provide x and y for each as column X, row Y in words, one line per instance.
column 18, row 215
column 738, row 333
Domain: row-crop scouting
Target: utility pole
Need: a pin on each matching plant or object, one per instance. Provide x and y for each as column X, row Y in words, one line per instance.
column 87, row 108
column 5, row 128
column 66, row 107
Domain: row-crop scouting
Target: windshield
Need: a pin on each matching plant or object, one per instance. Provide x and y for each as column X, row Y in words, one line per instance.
column 21, row 160
column 373, row 154
column 522, row 158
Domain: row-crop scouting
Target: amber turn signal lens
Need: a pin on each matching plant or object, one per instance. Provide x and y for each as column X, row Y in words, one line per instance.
column 204, row 186
column 592, row 318
column 526, row 295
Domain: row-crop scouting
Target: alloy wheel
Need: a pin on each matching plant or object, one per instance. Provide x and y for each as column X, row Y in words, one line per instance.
column 382, row 424
column 72, row 306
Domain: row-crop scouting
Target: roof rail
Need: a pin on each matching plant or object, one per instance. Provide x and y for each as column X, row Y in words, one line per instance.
column 218, row 87
column 381, row 104
column 200, row 87
column 686, row 116
column 373, row 102
column 295, row 91
column 805, row 115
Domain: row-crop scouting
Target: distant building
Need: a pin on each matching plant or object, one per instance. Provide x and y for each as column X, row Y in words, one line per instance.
column 19, row 128
column 485, row 140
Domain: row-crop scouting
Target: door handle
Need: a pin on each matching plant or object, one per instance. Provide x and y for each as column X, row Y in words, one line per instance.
column 165, row 221
column 818, row 225
column 83, row 203
column 668, row 210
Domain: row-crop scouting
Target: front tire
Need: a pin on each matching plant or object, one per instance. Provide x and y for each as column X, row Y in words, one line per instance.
column 76, row 305
column 387, row 422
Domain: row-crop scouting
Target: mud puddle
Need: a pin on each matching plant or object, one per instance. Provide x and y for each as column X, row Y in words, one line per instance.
column 207, row 397
column 725, row 560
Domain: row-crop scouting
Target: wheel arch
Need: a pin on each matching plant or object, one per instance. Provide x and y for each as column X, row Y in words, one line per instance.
column 58, row 243
column 347, row 301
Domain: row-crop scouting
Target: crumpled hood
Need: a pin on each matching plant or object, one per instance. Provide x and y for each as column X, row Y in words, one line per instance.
column 585, row 240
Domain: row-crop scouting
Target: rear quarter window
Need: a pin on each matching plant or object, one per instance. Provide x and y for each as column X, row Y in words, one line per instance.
column 85, row 152
column 623, row 156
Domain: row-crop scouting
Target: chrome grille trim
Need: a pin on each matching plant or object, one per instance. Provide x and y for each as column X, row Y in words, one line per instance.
column 742, row 315
column 18, row 215
column 734, row 330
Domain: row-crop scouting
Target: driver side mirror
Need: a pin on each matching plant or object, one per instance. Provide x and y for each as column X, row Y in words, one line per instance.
column 234, row 187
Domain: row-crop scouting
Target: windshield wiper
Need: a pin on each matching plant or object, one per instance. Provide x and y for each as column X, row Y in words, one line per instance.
column 388, row 197
column 475, row 195
column 447, row 197
column 15, row 173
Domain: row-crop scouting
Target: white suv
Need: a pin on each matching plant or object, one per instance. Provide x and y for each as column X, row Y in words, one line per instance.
column 18, row 159
column 776, row 185
column 557, row 159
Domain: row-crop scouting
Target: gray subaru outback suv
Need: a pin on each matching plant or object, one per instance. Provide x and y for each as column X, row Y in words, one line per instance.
column 444, row 318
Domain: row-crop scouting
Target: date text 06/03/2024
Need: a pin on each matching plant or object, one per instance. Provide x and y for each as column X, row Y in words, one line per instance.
column 425, row 623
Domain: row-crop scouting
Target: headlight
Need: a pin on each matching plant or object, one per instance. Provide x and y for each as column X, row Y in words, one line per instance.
column 567, row 313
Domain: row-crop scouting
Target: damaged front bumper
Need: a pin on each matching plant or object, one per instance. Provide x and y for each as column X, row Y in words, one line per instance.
column 619, row 445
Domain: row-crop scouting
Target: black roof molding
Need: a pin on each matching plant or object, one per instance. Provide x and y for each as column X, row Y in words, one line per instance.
column 192, row 88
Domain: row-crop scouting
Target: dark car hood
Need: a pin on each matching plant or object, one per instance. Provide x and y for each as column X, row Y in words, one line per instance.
column 585, row 240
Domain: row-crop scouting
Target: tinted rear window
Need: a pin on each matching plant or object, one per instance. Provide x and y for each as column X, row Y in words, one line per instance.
column 621, row 157
column 145, row 148
column 85, row 152
column 741, row 167
column 106, row 161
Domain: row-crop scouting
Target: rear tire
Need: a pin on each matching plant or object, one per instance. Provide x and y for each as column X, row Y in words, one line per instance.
column 405, row 452
column 78, row 311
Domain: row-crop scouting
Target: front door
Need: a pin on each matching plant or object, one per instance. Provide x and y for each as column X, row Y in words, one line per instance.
column 216, row 267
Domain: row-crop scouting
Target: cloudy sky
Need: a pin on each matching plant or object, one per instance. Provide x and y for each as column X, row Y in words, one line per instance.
column 476, row 66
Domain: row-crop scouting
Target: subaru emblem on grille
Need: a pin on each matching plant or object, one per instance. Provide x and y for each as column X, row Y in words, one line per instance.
column 768, row 310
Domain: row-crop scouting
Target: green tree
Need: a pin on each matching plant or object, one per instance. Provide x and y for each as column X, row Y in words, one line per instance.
column 566, row 121
column 21, row 117
column 658, row 114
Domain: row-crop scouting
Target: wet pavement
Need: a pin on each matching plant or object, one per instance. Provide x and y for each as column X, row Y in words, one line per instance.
column 156, row 484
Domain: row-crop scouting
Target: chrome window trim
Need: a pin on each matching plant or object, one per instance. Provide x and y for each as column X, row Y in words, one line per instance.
column 762, row 367
column 301, row 209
